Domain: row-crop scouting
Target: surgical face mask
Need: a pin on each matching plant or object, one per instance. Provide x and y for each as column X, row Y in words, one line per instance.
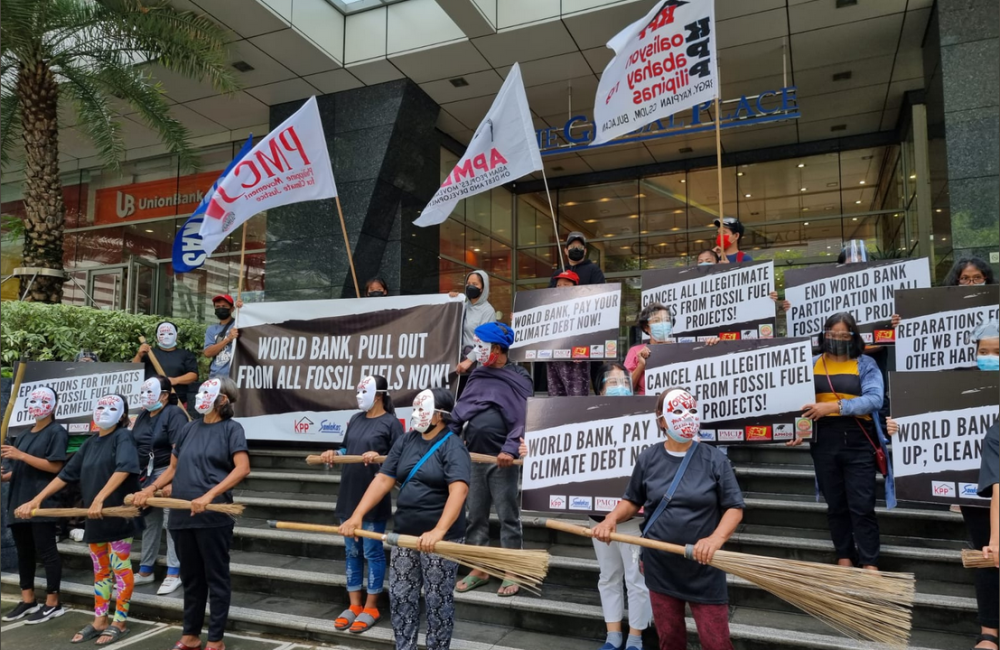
column 423, row 411
column 109, row 411
column 207, row 395
column 988, row 362
column 705, row 264
column 149, row 394
column 661, row 331
column 577, row 254
column 618, row 391
column 837, row 347
column 485, row 354
column 222, row 313
column 725, row 241
column 680, row 416
column 166, row 335
column 472, row 291
column 366, row 393
column 41, row 403
column 376, row 294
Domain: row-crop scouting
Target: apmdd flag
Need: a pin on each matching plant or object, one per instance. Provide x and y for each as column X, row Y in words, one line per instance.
column 664, row 63
column 503, row 149
column 290, row 165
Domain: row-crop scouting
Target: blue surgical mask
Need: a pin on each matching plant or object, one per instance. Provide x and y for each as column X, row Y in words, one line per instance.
column 661, row 331
column 617, row 391
column 155, row 406
column 705, row 264
column 988, row 362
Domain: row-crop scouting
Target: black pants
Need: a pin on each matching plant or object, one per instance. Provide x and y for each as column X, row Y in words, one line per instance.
column 204, row 556
column 845, row 471
column 37, row 541
column 977, row 521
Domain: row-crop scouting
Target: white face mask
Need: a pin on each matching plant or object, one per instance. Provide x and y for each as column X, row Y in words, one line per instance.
column 423, row 411
column 149, row 394
column 109, row 411
column 41, row 403
column 366, row 393
column 484, row 353
column 208, row 393
column 680, row 414
column 166, row 335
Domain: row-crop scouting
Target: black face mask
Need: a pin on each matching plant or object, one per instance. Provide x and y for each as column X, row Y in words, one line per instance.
column 376, row 294
column 472, row 291
column 222, row 313
column 577, row 254
column 837, row 348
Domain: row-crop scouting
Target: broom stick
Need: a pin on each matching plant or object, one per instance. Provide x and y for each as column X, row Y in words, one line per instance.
column 527, row 568
column 351, row 460
column 126, row 512
column 159, row 371
column 862, row 604
column 231, row 509
column 973, row 559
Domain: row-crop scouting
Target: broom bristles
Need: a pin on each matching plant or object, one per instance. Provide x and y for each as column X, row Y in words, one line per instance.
column 864, row 605
column 125, row 512
column 973, row 559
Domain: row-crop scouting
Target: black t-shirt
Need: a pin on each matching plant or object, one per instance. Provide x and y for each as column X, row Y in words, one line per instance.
column 204, row 459
column 421, row 502
column 365, row 434
column 26, row 481
column 586, row 270
column 175, row 363
column 92, row 466
column 486, row 432
column 707, row 489
column 157, row 435
column 991, row 459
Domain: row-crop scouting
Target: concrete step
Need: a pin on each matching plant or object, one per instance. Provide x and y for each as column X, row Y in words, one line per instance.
column 770, row 454
column 785, row 479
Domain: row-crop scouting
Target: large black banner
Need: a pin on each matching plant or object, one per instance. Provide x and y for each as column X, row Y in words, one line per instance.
column 78, row 386
column 581, row 451
column 864, row 289
column 567, row 323
column 747, row 391
column 731, row 301
column 935, row 330
column 298, row 376
column 943, row 417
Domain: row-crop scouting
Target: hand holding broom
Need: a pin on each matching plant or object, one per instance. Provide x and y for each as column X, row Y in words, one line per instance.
column 984, row 559
column 140, row 499
column 338, row 459
column 29, row 510
column 159, row 370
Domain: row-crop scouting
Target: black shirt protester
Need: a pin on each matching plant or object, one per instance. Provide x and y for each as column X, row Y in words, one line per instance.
column 365, row 434
column 204, row 459
column 707, row 489
column 421, row 502
column 92, row 466
column 157, row 435
column 26, row 481
column 988, row 471
column 589, row 272
column 175, row 363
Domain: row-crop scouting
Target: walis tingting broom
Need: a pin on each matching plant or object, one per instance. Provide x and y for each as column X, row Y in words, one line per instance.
column 353, row 460
column 973, row 559
column 124, row 512
column 527, row 568
column 862, row 604
column 232, row 509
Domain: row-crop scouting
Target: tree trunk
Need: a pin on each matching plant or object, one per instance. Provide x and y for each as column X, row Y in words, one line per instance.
column 43, row 198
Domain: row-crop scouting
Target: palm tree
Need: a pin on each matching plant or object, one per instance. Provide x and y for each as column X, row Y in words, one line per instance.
column 87, row 54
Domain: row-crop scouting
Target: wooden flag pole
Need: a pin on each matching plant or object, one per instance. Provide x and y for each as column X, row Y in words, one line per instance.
column 718, row 169
column 555, row 228
column 347, row 244
column 18, row 377
column 243, row 257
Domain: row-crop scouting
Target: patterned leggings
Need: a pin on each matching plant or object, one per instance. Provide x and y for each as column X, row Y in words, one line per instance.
column 112, row 558
column 409, row 570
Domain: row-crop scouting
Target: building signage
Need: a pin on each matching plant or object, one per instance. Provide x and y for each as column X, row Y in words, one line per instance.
column 768, row 106
column 163, row 198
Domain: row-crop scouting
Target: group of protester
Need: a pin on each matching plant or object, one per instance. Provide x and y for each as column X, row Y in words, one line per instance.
column 687, row 492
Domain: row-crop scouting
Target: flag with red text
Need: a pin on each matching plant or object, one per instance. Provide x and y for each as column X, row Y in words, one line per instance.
column 664, row 63
column 290, row 165
column 503, row 149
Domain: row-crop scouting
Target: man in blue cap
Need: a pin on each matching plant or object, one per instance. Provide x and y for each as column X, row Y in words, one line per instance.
column 492, row 410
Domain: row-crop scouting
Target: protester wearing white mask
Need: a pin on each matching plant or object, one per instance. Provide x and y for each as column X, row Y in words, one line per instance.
column 180, row 366
column 369, row 434
column 35, row 457
column 433, row 466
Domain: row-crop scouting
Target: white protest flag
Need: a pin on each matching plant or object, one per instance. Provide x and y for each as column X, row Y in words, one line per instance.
column 290, row 165
column 664, row 63
column 504, row 148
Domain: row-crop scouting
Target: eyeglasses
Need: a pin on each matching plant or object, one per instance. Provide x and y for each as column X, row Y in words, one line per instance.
column 837, row 336
column 978, row 278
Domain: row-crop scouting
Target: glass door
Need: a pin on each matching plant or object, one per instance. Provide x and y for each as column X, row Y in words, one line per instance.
column 106, row 287
column 143, row 279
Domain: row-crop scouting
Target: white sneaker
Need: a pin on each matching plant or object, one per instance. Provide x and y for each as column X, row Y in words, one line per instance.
column 76, row 534
column 144, row 580
column 169, row 586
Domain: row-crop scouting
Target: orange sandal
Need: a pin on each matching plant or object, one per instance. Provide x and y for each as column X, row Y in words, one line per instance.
column 365, row 621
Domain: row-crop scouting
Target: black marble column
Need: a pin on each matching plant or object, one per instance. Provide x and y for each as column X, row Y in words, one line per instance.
column 962, row 74
column 385, row 155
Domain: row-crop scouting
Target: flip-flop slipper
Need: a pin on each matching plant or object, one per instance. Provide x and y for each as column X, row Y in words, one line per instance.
column 470, row 582
column 348, row 617
column 364, row 622
column 180, row 645
column 116, row 634
column 508, row 583
column 87, row 633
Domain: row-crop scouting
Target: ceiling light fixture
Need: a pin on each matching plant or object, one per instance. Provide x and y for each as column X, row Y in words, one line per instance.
column 242, row 66
column 806, row 223
column 683, row 181
column 458, row 82
column 858, row 202
column 938, row 210
column 913, row 177
column 590, row 221
column 746, row 196
column 739, row 173
column 861, row 183
column 801, row 165
column 802, row 189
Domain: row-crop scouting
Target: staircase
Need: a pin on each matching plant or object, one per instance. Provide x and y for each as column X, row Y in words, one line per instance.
column 292, row 584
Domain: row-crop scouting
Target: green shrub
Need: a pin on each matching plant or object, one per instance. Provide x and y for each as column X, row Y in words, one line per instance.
column 42, row 332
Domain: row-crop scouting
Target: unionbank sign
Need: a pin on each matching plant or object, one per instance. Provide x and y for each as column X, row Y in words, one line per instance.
column 163, row 198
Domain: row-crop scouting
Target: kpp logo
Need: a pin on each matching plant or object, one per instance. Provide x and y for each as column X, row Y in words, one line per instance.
column 557, row 501
column 943, row 489
column 302, row 425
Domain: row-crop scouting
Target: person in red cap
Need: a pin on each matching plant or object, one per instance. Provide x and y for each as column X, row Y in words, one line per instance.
column 567, row 279
column 219, row 338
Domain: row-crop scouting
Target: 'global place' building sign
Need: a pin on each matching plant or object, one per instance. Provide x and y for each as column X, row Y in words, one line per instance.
column 768, row 106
